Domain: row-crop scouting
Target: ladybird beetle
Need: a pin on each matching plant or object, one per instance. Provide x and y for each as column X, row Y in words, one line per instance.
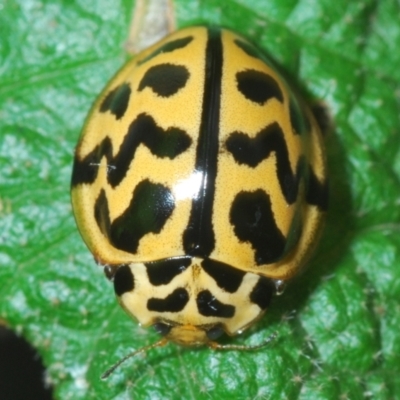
column 199, row 182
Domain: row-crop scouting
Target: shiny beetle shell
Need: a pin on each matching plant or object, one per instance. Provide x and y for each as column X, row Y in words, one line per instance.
column 199, row 181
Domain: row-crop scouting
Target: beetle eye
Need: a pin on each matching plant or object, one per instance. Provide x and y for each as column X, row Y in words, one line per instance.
column 162, row 329
column 109, row 272
column 215, row 332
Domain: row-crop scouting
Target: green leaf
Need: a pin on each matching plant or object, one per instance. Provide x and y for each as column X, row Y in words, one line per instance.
column 337, row 324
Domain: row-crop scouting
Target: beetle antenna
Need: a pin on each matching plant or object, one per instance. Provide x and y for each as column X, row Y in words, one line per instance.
column 243, row 347
column 143, row 349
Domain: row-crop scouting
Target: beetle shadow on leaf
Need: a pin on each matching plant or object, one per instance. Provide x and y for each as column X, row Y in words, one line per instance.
column 336, row 239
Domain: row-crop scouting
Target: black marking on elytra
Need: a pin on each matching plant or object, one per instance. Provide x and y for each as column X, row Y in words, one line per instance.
column 199, row 237
column 252, row 51
column 117, row 101
column 252, row 151
column 102, row 213
column 150, row 208
column 86, row 170
column 162, row 143
column 124, row 280
column 295, row 230
column 209, row 306
column 298, row 118
column 168, row 48
column 258, row 87
column 225, row 276
column 249, row 49
column 262, row 292
column 162, row 272
column 253, row 221
column 165, row 79
column 174, row 302
column 317, row 191
column 169, row 143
